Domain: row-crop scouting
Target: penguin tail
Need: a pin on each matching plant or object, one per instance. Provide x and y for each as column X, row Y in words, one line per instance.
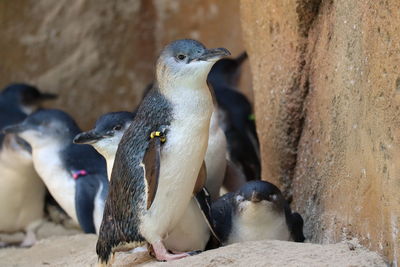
column 241, row 58
column 103, row 255
column 105, row 242
column 102, row 264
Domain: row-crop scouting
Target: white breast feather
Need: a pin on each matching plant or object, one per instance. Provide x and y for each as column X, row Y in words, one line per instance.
column 191, row 233
column 215, row 157
column 258, row 221
column 21, row 192
column 59, row 182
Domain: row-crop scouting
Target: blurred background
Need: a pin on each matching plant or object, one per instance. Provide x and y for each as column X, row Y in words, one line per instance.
column 100, row 55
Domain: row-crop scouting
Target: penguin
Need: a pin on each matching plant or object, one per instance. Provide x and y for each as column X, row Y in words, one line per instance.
column 75, row 175
column 22, row 192
column 236, row 116
column 18, row 100
column 159, row 162
column 106, row 135
column 192, row 232
column 257, row 211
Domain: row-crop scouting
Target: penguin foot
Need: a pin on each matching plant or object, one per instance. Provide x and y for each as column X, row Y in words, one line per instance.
column 162, row 254
column 29, row 240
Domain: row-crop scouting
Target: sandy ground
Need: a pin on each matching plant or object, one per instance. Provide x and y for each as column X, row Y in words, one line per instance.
column 79, row 250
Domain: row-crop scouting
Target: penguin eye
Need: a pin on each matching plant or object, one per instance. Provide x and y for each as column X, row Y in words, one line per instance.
column 117, row 127
column 181, row 57
column 273, row 197
column 239, row 198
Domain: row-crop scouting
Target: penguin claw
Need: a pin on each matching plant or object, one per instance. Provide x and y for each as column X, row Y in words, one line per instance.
column 171, row 257
column 194, row 252
column 191, row 253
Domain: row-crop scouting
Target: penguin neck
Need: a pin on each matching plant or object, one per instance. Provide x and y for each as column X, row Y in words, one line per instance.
column 109, row 157
column 252, row 213
column 108, row 152
column 51, row 145
column 110, row 164
column 169, row 81
column 193, row 93
column 28, row 109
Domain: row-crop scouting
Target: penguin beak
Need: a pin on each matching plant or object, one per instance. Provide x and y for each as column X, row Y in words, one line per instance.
column 255, row 197
column 47, row 96
column 14, row 129
column 89, row 137
column 214, row 54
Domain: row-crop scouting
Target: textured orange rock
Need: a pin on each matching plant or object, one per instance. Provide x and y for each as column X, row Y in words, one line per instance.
column 327, row 96
column 100, row 55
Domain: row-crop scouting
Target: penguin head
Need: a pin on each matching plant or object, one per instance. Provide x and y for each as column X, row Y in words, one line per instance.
column 226, row 71
column 28, row 98
column 46, row 127
column 259, row 195
column 107, row 132
column 186, row 61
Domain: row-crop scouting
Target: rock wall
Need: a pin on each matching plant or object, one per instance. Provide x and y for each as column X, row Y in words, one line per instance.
column 327, row 96
column 99, row 55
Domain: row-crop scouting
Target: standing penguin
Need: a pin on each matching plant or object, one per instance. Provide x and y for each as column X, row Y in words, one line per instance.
column 21, row 189
column 257, row 211
column 236, row 116
column 160, row 155
column 75, row 175
column 192, row 232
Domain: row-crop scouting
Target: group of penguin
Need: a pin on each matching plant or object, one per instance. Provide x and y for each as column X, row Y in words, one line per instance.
column 151, row 177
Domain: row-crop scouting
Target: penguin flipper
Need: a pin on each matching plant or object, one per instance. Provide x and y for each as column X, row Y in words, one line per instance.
column 203, row 200
column 84, row 203
column 297, row 227
column 108, row 238
column 151, row 161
